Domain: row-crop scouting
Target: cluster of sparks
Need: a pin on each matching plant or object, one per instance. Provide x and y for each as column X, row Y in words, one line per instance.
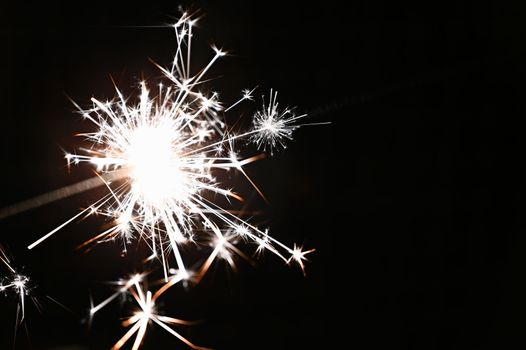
column 15, row 283
column 163, row 158
column 145, row 312
column 275, row 126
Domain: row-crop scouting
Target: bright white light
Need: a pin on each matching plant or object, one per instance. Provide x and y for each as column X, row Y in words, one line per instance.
column 153, row 164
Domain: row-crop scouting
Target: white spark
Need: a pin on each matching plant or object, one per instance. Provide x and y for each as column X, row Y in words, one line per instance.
column 15, row 283
column 274, row 127
column 298, row 256
column 146, row 313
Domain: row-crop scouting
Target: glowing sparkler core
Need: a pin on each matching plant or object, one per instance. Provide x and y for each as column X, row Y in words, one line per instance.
column 154, row 168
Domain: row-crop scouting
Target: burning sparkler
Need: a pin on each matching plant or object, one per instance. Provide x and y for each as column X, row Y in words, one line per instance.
column 160, row 159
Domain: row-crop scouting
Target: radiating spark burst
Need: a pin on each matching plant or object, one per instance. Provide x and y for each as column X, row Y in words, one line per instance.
column 160, row 159
column 147, row 312
column 274, row 127
column 17, row 284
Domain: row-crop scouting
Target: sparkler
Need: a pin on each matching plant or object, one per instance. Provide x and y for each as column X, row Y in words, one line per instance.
column 160, row 159
column 275, row 126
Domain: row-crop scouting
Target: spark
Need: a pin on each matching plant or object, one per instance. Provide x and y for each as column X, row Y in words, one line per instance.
column 298, row 256
column 17, row 284
column 146, row 313
column 124, row 285
column 160, row 157
column 247, row 95
column 225, row 248
column 273, row 126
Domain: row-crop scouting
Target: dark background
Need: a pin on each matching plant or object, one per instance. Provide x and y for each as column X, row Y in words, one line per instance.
column 412, row 196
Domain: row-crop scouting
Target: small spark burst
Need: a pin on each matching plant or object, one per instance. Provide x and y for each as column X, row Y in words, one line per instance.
column 274, row 127
column 146, row 313
column 16, row 284
column 298, row 256
column 160, row 159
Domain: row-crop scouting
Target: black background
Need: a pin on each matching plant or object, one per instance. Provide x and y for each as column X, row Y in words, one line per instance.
column 412, row 196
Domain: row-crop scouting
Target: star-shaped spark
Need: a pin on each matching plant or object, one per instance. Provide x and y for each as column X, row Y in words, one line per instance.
column 298, row 256
column 274, row 126
column 17, row 284
column 146, row 312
